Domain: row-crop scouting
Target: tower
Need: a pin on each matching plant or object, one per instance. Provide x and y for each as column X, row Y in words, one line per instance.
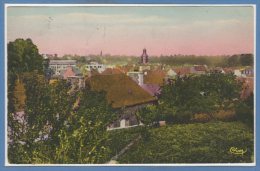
column 144, row 57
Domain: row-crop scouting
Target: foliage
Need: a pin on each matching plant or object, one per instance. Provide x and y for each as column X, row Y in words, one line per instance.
column 23, row 56
column 194, row 143
column 149, row 115
column 118, row 139
column 201, row 117
column 240, row 60
column 245, row 111
column 225, row 115
column 55, row 129
column 189, row 95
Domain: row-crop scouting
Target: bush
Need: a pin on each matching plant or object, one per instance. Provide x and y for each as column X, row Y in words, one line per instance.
column 201, row 117
column 245, row 114
column 225, row 115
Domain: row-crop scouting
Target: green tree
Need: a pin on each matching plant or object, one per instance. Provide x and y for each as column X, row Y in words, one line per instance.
column 189, row 95
column 246, row 59
column 23, row 56
column 149, row 115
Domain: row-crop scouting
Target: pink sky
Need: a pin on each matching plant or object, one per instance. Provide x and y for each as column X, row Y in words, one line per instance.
column 166, row 31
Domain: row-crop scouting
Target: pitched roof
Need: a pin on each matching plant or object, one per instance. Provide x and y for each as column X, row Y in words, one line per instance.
column 182, row 70
column 152, row 89
column 154, row 77
column 199, row 68
column 62, row 62
column 121, row 90
column 110, row 71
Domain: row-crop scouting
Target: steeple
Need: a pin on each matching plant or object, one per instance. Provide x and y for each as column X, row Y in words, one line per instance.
column 144, row 57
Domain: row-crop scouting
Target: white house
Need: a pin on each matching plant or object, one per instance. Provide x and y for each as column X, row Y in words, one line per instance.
column 137, row 76
column 171, row 73
column 59, row 65
column 95, row 66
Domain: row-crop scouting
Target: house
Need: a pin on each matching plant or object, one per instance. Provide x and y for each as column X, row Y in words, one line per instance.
column 69, row 72
column 199, row 69
column 124, row 94
column 237, row 72
column 182, row 71
column 171, row 74
column 218, row 70
column 59, row 65
column 74, row 76
column 247, row 72
column 138, row 77
column 95, row 66
column 152, row 89
column 110, row 71
column 154, row 77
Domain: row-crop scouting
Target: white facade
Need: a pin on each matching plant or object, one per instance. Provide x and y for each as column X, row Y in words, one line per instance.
column 94, row 65
column 59, row 65
column 138, row 77
column 237, row 73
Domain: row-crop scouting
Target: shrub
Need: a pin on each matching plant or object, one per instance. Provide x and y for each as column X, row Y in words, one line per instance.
column 225, row 115
column 245, row 114
column 182, row 117
column 201, row 117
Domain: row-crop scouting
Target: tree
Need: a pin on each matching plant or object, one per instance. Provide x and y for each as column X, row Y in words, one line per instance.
column 61, row 125
column 189, row 95
column 233, row 61
column 246, row 59
column 149, row 115
column 23, row 56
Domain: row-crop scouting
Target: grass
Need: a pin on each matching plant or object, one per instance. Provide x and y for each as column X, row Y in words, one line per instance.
column 120, row 138
column 193, row 143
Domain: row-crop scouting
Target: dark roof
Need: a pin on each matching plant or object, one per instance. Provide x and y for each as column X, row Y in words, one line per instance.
column 152, row 89
column 121, row 90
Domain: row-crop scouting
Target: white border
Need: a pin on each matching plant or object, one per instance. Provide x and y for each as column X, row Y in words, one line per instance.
column 130, row 5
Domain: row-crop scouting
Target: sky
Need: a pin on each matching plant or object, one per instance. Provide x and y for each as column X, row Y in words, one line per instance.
column 127, row 30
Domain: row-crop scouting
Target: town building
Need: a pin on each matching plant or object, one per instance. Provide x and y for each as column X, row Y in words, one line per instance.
column 137, row 76
column 199, row 69
column 95, row 66
column 59, row 65
column 124, row 94
column 74, row 76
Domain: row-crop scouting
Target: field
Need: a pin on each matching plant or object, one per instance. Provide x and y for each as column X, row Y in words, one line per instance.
column 192, row 143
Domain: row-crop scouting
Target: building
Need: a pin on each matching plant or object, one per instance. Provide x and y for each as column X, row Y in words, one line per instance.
column 95, row 66
column 124, row 94
column 137, row 76
column 144, row 57
column 74, row 76
column 59, row 65
column 199, row 69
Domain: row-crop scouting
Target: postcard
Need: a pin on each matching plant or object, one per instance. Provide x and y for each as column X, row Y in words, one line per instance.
column 130, row 85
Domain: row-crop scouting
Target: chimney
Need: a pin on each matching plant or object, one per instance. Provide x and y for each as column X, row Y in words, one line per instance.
column 140, row 78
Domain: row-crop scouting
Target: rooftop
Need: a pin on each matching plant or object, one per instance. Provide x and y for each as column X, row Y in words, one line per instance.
column 64, row 62
column 121, row 90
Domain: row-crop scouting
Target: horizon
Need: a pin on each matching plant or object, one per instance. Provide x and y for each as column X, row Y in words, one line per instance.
column 125, row 31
